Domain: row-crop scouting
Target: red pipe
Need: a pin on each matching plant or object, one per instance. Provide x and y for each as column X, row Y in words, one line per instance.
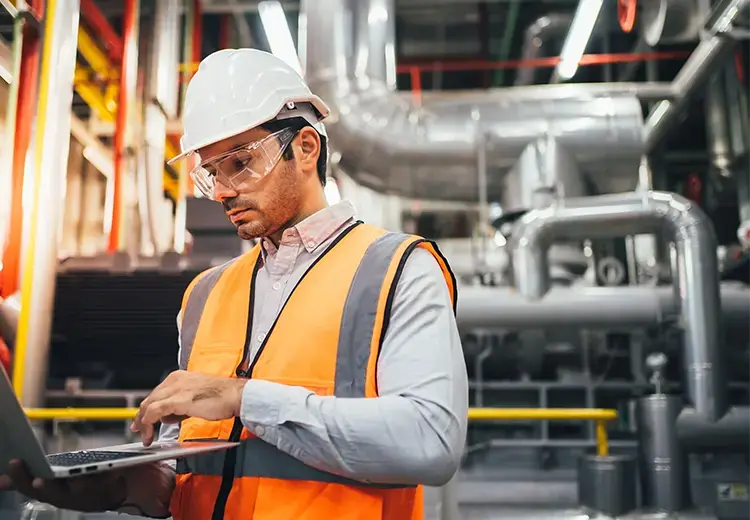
column 98, row 23
column 25, row 108
column 225, row 33
column 586, row 59
column 197, row 31
column 128, row 67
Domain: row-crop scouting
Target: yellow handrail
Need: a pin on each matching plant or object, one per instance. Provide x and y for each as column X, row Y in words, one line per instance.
column 599, row 415
column 86, row 414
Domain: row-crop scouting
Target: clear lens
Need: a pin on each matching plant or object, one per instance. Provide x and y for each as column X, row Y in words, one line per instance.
column 241, row 166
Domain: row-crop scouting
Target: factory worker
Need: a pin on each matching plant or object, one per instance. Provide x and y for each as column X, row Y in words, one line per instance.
column 330, row 350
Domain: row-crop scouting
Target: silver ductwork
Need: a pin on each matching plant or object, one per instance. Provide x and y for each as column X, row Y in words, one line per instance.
column 696, row 279
column 387, row 143
column 707, row 58
column 536, row 37
column 602, row 308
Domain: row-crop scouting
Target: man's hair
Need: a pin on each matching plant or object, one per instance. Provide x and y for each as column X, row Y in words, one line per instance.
column 297, row 124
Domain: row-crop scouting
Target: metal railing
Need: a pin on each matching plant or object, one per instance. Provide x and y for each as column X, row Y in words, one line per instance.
column 600, row 416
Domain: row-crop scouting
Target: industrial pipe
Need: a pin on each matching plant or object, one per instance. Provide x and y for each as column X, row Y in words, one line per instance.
column 388, row 144
column 19, row 123
column 128, row 80
column 537, row 34
column 51, row 146
column 707, row 58
column 618, row 308
column 696, row 279
column 731, row 432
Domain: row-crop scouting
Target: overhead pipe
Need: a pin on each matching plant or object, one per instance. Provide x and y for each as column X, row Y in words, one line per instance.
column 536, row 36
column 708, row 57
column 696, row 279
column 388, row 144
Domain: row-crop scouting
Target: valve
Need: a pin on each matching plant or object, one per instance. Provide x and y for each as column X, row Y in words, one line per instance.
column 657, row 363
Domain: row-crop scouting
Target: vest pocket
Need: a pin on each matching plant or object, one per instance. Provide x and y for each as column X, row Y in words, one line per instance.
column 215, row 360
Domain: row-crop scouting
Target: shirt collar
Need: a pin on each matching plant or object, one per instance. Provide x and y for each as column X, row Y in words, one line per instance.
column 314, row 230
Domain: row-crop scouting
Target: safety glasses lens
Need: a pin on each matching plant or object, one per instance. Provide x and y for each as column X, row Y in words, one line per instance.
column 247, row 164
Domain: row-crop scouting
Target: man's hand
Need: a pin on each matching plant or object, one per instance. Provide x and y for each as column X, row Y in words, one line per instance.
column 91, row 493
column 188, row 394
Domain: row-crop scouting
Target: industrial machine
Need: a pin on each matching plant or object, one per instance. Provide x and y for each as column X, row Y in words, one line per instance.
column 604, row 303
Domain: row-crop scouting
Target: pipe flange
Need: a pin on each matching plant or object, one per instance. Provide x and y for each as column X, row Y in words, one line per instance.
column 611, row 271
column 626, row 11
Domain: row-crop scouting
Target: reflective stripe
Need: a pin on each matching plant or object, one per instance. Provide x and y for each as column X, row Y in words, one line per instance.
column 196, row 302
column 257, row 458
column 360, row 310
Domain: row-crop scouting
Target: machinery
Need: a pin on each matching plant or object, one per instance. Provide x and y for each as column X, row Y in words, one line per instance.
column 604, row 303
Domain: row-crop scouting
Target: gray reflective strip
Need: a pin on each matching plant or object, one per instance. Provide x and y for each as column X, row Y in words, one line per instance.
column 358, row 320
column 196, row 302
column 257, row 458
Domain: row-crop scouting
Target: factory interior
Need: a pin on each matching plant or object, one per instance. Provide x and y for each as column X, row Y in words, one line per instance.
column 584, row 166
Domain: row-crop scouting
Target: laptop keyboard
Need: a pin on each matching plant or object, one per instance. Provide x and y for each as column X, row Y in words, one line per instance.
column 76, row 458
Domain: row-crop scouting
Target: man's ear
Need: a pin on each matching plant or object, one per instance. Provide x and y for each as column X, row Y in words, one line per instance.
column 307, row 149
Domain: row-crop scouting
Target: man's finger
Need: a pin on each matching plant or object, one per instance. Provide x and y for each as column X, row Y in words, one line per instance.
column 161, row 392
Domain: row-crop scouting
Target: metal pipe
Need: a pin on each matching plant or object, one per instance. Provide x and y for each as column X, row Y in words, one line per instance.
column 706, row 59
column 536, row 36
column 128, row 78
column 95, row 19
column 697, row 279
column 19, row 122
column 160, row 105
column 731, row 432
column 375, row 44
column 717, row 126
column 620, row 308
column 51, row 145
column 389, row 143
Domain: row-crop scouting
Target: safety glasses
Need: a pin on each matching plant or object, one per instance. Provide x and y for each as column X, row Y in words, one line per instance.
column 241, row 166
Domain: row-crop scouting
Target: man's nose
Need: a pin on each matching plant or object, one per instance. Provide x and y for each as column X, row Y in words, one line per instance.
column 223, row 192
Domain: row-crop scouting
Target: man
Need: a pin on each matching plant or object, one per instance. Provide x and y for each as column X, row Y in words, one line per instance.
column 330, row 350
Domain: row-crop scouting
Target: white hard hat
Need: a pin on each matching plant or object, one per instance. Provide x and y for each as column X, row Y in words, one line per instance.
column 235, row 90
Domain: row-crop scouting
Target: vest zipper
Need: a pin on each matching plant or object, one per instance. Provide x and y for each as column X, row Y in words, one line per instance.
column 230, row 459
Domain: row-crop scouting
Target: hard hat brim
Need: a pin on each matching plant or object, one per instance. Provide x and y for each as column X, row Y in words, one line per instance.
column 314, row 100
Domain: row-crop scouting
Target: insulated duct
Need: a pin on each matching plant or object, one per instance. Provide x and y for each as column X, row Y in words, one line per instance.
column 708, row 57
column 601, row 308
column 387, row 143
column 696, row 279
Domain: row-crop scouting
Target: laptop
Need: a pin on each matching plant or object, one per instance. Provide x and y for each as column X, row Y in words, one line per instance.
column 18, row 441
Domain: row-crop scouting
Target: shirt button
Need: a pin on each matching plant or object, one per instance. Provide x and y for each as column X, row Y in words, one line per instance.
column 261, row 337
column 276, row 286
column 259, row 431
column 311, row 245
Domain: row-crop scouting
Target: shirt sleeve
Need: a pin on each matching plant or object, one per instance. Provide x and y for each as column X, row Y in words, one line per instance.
column 414, row 432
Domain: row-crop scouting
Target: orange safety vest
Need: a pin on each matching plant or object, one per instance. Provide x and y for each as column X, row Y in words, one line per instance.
column 326, row 338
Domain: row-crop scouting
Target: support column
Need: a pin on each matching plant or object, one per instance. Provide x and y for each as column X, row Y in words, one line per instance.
column 45, row 201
